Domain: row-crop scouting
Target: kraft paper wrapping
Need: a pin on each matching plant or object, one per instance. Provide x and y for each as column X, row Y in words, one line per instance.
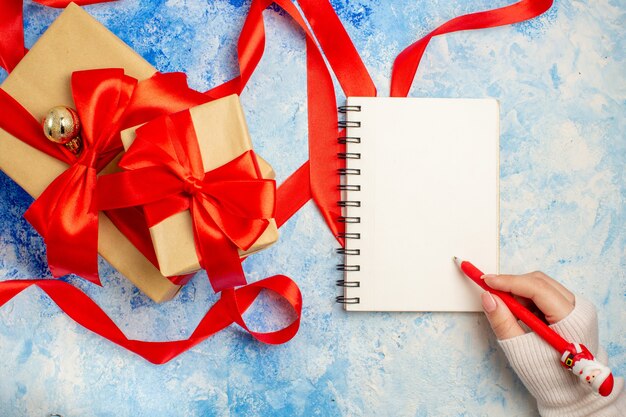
column 75, row 41
column 222, row 136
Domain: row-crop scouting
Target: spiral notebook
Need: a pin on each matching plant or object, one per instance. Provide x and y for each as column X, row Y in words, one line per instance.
column 419, row 187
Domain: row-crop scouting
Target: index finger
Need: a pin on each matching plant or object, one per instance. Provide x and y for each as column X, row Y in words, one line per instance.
column 554, row 304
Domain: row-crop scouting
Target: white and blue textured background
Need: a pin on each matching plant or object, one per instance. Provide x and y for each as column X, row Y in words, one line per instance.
column 560, row 82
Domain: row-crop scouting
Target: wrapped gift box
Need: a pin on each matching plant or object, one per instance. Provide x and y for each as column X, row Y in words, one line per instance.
column 222, row 136
column 75, row 41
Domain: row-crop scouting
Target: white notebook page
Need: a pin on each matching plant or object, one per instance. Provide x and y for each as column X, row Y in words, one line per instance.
column 429, row 190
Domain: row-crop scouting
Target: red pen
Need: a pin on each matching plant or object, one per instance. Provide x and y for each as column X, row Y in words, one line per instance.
column 574, row 356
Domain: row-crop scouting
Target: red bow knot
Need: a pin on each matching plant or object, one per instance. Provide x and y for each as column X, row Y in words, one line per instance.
column 192, row 185
column 230, row 205
column 88, row 158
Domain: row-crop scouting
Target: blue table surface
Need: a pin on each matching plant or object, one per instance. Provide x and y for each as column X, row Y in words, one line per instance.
column 560, row 83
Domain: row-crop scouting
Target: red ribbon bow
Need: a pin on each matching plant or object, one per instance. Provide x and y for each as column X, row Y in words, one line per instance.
column 230, row 205
column 65, row 214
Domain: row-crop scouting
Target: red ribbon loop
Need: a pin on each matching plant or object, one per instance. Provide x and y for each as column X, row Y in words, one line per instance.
column 230, row 205
column 239, row 300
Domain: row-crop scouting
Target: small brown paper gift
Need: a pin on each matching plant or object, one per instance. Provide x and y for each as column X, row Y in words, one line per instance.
column 222, row 136
column 75, row 41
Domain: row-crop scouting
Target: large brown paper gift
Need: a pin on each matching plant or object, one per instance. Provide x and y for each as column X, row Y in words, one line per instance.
column 222, row 135
column 75, row 41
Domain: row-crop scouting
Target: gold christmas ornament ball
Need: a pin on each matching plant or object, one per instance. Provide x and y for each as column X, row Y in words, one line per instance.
column 61, row 124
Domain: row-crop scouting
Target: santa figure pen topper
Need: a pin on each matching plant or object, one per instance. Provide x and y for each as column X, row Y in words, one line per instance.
column 574, row 356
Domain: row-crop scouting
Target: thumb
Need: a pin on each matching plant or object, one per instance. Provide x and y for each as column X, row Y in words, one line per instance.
column 502, row 321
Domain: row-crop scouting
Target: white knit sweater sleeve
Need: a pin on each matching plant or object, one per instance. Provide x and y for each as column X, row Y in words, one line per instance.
column 558, row 392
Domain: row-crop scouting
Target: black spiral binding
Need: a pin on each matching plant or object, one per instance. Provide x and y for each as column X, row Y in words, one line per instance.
column 344, row 267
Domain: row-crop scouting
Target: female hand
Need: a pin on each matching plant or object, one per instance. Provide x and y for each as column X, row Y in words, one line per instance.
column 551, row 298
column 558, row 393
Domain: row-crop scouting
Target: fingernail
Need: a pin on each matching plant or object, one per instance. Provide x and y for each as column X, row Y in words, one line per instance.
column 489, row 303
column 488, row 276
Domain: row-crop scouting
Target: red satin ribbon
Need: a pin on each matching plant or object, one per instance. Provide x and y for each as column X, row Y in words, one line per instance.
column 406, row 63
column 230, row 205
column 315, row 178
column 228, row 309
